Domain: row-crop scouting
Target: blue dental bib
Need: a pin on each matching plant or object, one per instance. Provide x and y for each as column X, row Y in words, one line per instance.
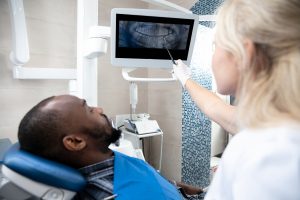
column 134, row 179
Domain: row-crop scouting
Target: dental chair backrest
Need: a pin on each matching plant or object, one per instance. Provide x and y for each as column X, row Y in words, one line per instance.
column 30, row 176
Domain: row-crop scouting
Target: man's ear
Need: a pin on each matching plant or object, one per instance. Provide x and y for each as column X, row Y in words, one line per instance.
column 74, row 142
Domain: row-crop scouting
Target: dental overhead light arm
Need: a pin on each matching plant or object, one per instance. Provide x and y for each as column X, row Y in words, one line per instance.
column 20, row 51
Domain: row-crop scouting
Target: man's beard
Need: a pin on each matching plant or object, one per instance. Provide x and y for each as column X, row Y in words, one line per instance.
column 106, row 137
column 114, row 136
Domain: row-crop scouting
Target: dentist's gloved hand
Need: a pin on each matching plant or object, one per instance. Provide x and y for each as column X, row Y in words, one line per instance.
column 182, row 72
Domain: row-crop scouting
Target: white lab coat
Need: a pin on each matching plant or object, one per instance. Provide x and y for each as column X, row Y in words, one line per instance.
column 260, row 164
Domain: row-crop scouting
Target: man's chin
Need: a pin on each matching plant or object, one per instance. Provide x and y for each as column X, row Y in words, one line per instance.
column 115, row 136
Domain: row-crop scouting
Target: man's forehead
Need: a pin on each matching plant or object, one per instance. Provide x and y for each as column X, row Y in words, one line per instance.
column 61, row 102
column 67, row 98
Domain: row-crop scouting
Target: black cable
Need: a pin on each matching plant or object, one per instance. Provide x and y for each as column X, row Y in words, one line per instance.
column 120, row 126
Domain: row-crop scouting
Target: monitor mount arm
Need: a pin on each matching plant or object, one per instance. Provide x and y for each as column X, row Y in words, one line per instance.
column 127, row 77
column 133, row 89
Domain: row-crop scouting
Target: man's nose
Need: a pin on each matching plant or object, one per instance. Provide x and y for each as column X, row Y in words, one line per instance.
column 98, row 110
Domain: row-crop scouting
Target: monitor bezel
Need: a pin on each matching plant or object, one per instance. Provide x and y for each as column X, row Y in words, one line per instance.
column 170, row 16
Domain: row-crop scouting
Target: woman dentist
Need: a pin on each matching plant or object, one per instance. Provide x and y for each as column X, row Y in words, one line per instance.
column 257, row 59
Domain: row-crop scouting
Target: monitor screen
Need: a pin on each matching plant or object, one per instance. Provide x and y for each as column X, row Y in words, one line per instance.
column 140, row 38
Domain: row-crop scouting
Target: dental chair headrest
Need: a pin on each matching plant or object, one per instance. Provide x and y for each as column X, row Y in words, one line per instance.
column 42, row 170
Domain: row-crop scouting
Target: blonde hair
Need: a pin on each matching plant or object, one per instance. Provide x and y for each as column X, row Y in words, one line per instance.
column 269, row 85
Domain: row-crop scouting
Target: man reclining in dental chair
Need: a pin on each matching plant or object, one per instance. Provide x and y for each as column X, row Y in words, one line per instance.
column 66, row 130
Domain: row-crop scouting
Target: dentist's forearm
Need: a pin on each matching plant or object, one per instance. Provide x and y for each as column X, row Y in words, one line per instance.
column 213, row 106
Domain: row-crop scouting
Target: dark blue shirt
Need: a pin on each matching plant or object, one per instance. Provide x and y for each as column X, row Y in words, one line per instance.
column 99, row 177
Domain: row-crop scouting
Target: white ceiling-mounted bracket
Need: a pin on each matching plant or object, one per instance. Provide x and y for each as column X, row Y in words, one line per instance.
column 126, row 76
column 96, row 44
column 168, row 5
column 20, row 72
column 99, row 32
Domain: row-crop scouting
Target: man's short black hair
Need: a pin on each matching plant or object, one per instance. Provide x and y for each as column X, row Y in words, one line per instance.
column 41, row 132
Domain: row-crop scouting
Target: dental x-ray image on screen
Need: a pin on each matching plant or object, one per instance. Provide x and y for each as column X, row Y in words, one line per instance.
column 142, row 37
column 135, row 34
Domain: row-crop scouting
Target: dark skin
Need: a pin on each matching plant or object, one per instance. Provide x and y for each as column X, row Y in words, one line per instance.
column 83, row 149
column 81, row 146
column 189, row 189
